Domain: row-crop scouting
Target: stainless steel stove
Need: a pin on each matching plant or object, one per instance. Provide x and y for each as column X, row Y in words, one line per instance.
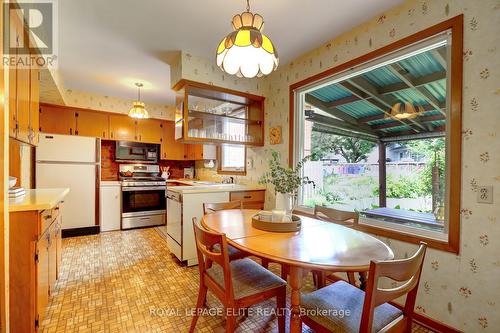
column 143, row 196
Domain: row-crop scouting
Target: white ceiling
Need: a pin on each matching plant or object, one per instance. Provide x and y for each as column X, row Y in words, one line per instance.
column 106, row 46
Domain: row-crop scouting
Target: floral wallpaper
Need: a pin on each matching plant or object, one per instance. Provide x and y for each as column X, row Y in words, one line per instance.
column 461, row 291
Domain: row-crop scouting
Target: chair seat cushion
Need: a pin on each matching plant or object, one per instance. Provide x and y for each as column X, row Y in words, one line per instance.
column 249, row 278
column 326, row 304
column 231, row 251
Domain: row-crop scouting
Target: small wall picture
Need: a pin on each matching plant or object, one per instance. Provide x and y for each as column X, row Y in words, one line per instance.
column 275, row 135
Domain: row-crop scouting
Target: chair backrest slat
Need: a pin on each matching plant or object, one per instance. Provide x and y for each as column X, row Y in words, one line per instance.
column 205, row 241
column 407, row 270
column 216, row 206
column 335, row 215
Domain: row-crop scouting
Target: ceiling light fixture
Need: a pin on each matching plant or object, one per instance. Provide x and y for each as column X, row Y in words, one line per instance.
column 247, row 52
column 138, row 110
column 405, row 110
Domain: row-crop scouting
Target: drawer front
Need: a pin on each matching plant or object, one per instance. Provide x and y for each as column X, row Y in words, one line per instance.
column 47, row 217
column 248, row 196
column 254, row 205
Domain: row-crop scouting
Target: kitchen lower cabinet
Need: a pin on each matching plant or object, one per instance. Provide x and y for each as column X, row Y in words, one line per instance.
column 34, row 260
column 250, row 199
column 110, row 206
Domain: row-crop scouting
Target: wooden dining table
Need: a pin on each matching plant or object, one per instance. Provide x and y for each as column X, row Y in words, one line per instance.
column 318, row 245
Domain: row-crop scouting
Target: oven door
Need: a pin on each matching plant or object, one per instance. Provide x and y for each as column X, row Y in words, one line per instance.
column 141, row 201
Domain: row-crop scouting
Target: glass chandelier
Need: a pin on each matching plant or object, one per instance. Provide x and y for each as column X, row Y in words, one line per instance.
column 247, row 52
column 138, row 110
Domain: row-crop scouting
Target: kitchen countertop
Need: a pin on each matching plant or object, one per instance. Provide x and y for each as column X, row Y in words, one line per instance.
column 207, row 187
column 38, row 199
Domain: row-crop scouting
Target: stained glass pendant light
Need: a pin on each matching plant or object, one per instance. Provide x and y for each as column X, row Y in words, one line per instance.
column 138, row 108
column 247, row 52
column 405, row 110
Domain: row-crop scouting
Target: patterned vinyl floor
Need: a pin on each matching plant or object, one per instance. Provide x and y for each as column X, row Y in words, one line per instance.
column 127, row 281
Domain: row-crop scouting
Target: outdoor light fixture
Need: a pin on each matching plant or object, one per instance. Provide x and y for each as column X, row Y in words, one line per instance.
column 247, row 52
column 138, row 110
column 405, row 110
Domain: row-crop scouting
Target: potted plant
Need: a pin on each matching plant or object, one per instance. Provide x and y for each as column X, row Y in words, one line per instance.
column 286, row 181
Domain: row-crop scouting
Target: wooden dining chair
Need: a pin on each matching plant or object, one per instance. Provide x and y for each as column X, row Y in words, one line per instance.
column 341, row 217
column 216, row 206
column 238, row 284
column 336, row 216
column 370, row 310
column 209, row 208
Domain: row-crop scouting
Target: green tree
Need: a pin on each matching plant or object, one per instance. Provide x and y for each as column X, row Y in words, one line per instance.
column 353, row 150
column 432, row 177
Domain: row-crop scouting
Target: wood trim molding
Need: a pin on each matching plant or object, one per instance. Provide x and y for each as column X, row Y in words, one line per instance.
column 455, row 24
column 428, row 322
column 183, row 82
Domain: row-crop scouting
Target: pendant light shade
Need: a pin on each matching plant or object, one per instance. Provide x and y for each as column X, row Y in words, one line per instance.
column 247, row 52
column 405, row 110
column 138, row 108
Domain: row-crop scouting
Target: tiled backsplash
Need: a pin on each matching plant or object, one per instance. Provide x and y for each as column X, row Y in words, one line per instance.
column 109, row 167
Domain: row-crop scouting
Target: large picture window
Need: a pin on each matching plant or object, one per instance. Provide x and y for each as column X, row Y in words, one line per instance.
column 384, row 133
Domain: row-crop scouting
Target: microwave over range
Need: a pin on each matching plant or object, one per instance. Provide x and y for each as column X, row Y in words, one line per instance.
column 127, row 151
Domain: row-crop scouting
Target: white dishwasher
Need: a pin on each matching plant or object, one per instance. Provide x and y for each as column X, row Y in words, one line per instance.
column 181, row 208
column 110, row 205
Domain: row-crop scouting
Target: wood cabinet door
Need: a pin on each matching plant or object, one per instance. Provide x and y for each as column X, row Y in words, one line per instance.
column 16, row 31
column 149, row 130
column 42, row 276
column 52, row 257
column 122, row 128
column 171, row 149
column 58, row 242
column 91, row 123
column 23, row 104
column 12, row 101
column 34, row 105
column 194, row 152
column 57, row 120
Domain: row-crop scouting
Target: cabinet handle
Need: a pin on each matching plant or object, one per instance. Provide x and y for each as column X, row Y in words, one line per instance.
column 140, row 137
column 103, row 134
column 57, row 208
column 70, row 131
column 48, row 217
column 247, row 197
column 111, row 135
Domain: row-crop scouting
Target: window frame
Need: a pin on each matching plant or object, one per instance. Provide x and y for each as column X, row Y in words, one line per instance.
column 230, row 171
column 453, row 131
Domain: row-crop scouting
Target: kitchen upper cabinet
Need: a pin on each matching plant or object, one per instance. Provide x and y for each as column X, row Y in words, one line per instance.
column 24, row 93
column 149, row 130
column 194, row 152
column 171, row 149
column 92, row 123
column 16, row 30
column 57, row 120
column 34, row 120
column 23, row 104
column 122, row 128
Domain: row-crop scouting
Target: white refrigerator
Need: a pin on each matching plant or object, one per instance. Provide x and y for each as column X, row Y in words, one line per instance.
column 72, row 162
